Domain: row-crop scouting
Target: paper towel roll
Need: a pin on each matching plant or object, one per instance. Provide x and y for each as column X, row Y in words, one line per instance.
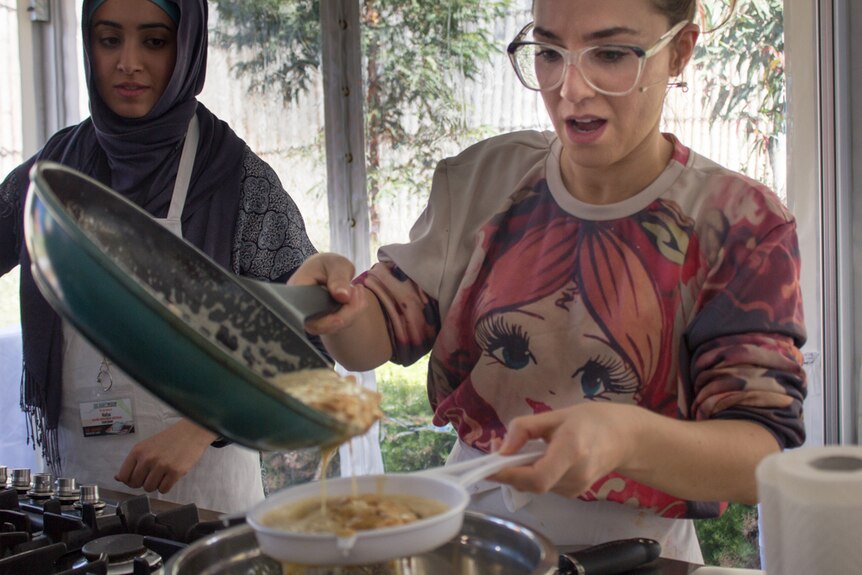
column 811, row 511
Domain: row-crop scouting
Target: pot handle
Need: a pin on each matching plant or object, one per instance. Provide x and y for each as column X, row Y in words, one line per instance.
column 611, row 557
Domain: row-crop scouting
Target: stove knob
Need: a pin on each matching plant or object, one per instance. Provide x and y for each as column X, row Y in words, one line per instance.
column 21, row 479
column 67, row 488
column 43, row 484
column 89, row 494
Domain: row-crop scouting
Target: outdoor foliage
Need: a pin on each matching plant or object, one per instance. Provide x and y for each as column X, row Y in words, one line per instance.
column 408, row 440
column 417, row 54
column 747, row 84
column 732, row 539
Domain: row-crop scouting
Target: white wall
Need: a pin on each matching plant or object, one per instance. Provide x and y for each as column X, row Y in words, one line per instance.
column 854, row 191
column 803, row 186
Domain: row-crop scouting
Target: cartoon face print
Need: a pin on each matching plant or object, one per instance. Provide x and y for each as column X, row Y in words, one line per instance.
column 548, row 354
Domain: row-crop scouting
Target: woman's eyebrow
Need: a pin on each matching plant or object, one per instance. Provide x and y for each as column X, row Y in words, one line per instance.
column 118, row 26
column 109, row 23
column 595, row 35
column 155, row 25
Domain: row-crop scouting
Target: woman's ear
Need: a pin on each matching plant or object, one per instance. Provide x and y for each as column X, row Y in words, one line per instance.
column 683, row 48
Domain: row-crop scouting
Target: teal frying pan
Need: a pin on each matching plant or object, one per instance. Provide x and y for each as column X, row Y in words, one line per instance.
column 205, row 341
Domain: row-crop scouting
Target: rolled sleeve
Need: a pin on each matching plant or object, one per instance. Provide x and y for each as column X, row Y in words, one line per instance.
column 744, row 357
column 412, row 316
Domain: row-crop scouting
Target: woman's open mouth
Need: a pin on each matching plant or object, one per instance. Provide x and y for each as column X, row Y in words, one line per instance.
column 585, row 130
column 586, row 126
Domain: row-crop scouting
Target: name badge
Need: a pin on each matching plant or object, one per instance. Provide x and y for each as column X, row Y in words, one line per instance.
column 107, row 417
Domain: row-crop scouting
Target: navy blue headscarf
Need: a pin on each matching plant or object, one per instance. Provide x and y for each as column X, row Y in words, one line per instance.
column 138, row 158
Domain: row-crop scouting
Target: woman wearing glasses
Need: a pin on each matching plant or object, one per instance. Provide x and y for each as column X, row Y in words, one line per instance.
column 603, row 288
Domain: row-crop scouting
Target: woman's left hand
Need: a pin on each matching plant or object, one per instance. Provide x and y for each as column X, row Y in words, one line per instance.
column 585, row 442
column 709, row 460
column 158, row 462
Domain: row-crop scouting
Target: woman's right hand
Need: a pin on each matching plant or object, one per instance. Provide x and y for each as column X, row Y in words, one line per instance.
column 356, row 335
column 335, row 273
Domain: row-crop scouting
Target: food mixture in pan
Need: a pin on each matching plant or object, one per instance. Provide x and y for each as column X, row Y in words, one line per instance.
column 341, row 398
column 344, row 515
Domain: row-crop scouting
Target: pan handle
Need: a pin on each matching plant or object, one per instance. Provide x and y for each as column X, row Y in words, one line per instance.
column 611, row 557
column 294, row 304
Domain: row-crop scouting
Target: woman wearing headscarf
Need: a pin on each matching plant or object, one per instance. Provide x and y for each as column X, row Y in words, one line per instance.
column 149, row 139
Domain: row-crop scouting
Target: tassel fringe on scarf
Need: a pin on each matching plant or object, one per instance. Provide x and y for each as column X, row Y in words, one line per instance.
column 34, row 405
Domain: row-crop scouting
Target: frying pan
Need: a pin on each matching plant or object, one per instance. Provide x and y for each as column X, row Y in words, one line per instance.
column 203, row 340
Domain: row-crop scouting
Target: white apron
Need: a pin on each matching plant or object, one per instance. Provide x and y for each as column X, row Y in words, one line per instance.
column 572, row 522
column 225, row 479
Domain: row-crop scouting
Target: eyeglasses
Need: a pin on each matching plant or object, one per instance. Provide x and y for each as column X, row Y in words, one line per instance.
column 610, row 69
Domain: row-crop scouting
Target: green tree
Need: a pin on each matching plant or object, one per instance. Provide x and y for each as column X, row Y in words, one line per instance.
column 417, row 54
column 743, row 63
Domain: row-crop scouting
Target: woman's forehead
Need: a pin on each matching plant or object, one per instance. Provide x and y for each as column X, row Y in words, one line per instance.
column 131, row 11
column 590, row 20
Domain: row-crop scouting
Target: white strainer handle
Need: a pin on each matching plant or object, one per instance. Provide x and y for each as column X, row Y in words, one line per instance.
column 468, row 472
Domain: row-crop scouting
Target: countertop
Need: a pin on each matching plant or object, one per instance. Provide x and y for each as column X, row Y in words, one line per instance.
column 664, row 566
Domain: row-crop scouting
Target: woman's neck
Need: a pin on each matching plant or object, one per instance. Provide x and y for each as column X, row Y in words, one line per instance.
column 621, row 180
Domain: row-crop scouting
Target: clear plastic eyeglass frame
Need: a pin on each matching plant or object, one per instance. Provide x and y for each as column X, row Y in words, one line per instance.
column 574, row 58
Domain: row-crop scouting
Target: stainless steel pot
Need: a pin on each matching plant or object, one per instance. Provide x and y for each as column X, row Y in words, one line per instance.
column 485, row 545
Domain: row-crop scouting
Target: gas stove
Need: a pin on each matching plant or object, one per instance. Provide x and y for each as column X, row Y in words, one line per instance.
column 57, row 527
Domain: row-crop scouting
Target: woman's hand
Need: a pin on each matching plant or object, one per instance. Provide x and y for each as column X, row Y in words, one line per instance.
column 711, row 460
column 335, row 273
column 157, row 463
column 356, row 335
column 585, row 442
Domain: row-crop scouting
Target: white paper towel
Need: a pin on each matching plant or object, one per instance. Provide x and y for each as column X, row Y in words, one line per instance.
column 811, row 511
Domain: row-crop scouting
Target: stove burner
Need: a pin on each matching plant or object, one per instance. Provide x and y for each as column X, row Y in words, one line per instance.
column 117, row 547
column 118, row 535
column 121, row 552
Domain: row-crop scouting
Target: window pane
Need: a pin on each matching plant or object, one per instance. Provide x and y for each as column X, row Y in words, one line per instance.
column 439, row 96
column 733, row 111
column 11, row 145
column 280, row 116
